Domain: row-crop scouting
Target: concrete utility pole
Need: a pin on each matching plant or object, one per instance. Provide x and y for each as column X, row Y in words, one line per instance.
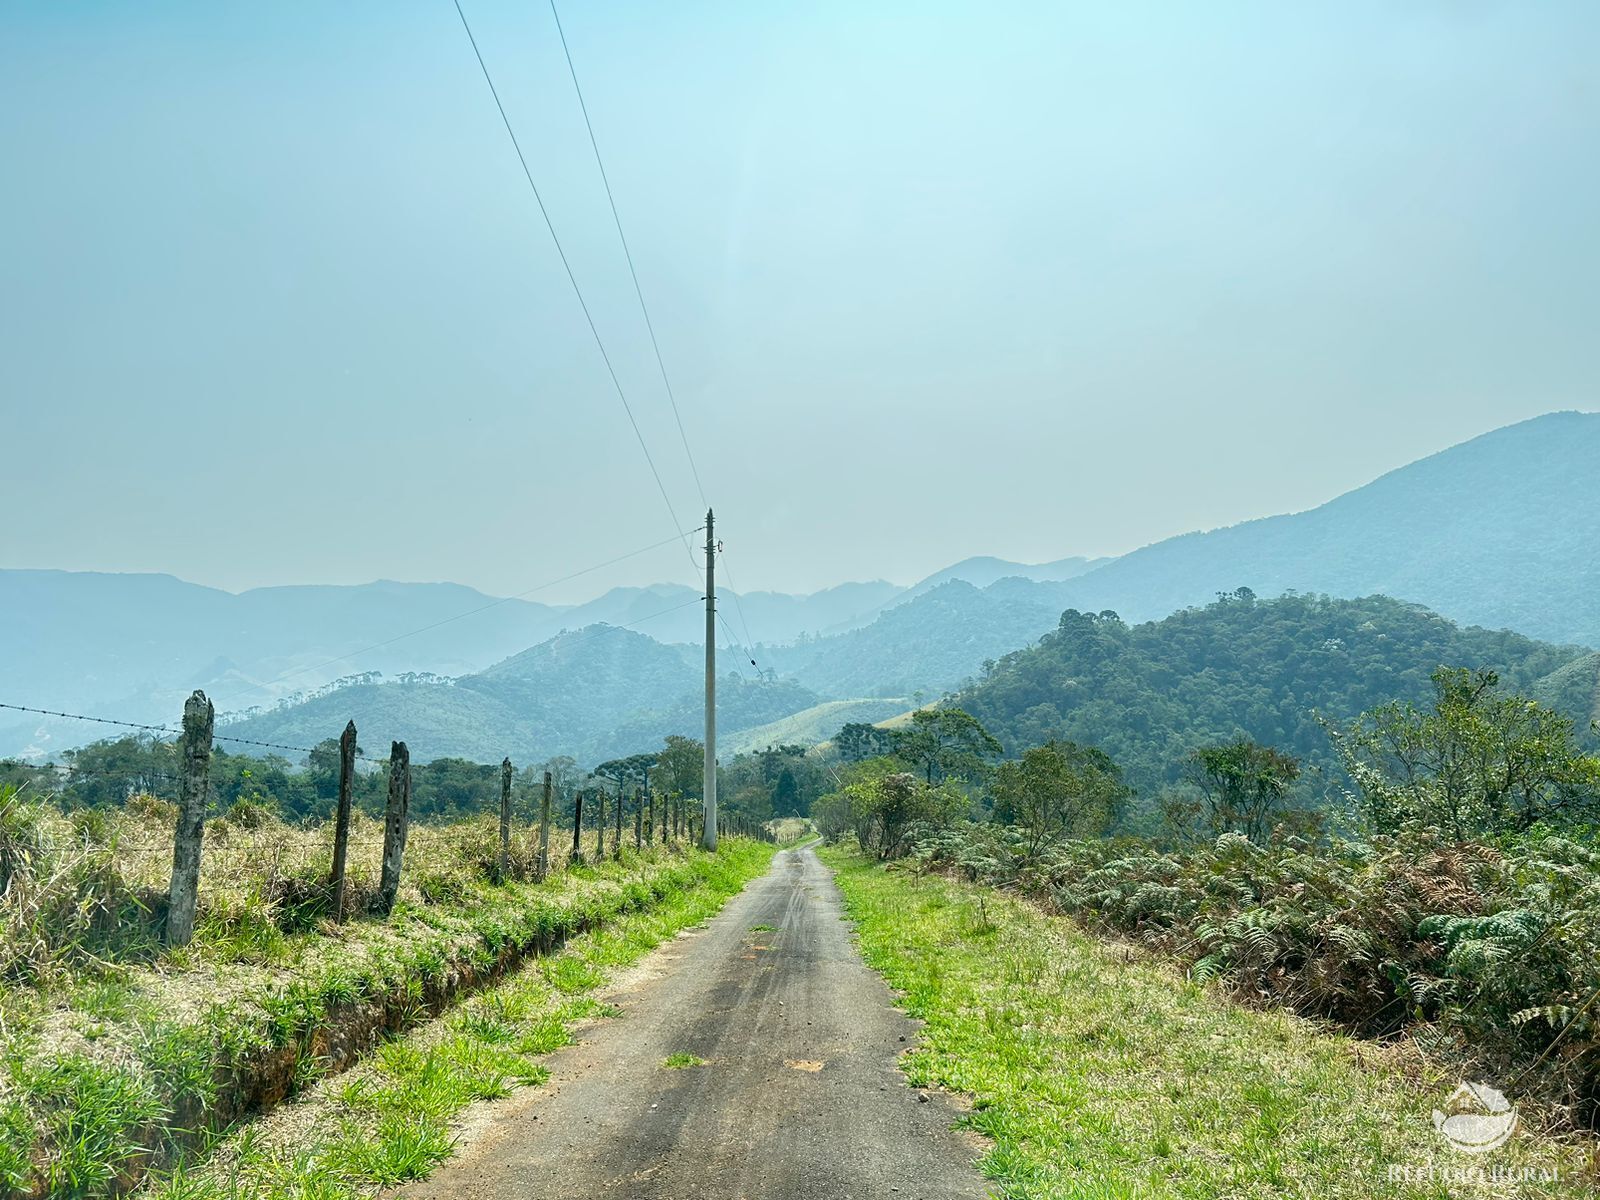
column 708, row 832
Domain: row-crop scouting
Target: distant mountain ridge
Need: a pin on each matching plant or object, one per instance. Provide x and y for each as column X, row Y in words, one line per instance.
column 595, row 693
column 133, row 646
column 1495, row 531
column 1498, row 531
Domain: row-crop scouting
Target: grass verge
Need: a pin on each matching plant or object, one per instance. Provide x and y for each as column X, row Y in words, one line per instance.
column 1103, row 1075
column 390, row 1119
column 136, row 1068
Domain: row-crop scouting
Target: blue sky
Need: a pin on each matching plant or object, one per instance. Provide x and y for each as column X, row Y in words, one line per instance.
column 931, row 280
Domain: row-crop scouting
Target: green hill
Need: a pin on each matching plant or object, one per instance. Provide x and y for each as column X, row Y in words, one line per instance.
column 594, row 694
column 1497, row 531
column 810, row 726
column 1149, row 694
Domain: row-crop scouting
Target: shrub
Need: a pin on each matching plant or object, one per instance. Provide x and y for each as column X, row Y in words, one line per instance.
column 1494, row 949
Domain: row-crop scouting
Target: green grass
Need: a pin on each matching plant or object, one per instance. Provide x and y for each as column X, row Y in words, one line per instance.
column 388, row 1120
column 1101, row 1075
column 678, row 1062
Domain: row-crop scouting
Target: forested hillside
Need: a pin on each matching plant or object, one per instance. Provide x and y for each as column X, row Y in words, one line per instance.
column 1150, row 694
column 593, row 694
column 929, row 644
column 1493, row 532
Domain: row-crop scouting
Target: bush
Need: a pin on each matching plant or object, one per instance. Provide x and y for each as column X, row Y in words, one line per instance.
column 884, row 805
column 1493, row 949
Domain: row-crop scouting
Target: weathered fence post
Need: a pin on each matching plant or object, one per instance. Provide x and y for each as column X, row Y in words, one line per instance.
column 395, row 824
column 600, row 827
column 638, row 821
column 505, row 819
column 665, row 813
column 341, row 819
column 616, row 837
column 544, row 829
column 577, row 826
column 650, row 820
column 199, row 721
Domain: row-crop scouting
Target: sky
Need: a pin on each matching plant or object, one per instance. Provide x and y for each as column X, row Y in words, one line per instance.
column 929, row 280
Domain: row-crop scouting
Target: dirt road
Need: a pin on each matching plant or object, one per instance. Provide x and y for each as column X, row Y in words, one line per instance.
column 798, row 1098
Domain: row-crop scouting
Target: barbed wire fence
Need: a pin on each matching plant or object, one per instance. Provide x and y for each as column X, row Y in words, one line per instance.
column 193, row 742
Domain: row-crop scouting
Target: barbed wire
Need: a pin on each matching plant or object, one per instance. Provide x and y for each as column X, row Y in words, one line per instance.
column 142, row 727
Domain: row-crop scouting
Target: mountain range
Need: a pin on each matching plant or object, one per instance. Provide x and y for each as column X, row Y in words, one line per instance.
column 1493, row 532
column 1498, row 531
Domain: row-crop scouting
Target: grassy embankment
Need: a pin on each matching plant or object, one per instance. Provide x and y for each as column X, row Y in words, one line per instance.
column 121, row 1057
column 1100, row 1072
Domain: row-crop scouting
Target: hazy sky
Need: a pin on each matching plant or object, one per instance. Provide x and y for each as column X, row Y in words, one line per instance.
column 931, row 280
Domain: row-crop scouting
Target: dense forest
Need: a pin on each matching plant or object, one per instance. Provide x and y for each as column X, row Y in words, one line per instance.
column 1149, row 695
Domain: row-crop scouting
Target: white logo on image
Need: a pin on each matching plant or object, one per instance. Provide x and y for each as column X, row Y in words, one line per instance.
column 1482, row 1119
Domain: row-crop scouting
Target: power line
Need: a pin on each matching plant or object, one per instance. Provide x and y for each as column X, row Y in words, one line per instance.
column 602, row 627
column 583, row 635
column 628, row 254
column 738, row 606
column 573, row 279
column 733, row 642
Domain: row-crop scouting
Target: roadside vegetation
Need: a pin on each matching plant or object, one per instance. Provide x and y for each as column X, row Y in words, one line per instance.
column 1104, row 1073
column 396, row 1114
column 120, row 1055
column 1436, row 889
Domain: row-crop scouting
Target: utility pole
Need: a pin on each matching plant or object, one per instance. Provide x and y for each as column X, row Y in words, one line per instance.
column 708, row 831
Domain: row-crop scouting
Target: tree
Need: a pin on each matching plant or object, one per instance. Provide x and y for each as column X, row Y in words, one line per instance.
column 943, row 743
column 884, row 804
column 1478, row 761
column 753, row 800
column 1059, row 789
column 680, row 767
column 623, row 773
column 786, row 795
column 857, row 741
column 322, row 765
column 1243, row 785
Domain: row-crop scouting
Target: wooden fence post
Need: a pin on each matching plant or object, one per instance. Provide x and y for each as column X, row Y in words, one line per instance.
column 505, row 818
column 616, row 837
column 544, row 829
column 341, row 820
column 199, row 722
column 665, row 815
column 638, row 821
column 650, row 819
column 577, row 826
column 395, row 824
column 600, row 827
